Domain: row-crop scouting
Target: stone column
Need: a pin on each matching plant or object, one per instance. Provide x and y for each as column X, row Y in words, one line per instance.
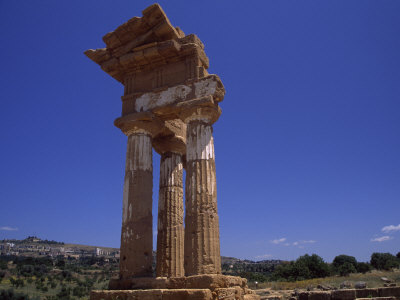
column 170, row 217
column 137, row 221
column 202, row 245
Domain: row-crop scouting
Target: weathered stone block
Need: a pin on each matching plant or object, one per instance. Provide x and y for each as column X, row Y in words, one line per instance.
column 210, row 281
column 389, row 292
column 378, row 298
column 303, row 295
column 225, row 293
column 154, row 294
column 367, row 293
column 147, row 295
column 343, row 294
column 239, row 292
column 186, row 294
column 127, row 295
column 251, row 297
column 319, row 295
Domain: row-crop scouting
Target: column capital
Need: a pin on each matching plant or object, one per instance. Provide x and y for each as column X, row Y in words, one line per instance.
column 172, row 138
column 165, row 144
column 142, row 122
column 208, row 114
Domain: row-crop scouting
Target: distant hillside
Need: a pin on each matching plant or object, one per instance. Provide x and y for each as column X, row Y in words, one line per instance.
column 233, row 260
column 33, row 240
column 252, row 270
column 36, row 247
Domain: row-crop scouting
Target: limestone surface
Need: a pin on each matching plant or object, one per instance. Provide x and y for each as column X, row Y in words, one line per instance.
column 136, row 235
column 202, row 247
column 170, row 228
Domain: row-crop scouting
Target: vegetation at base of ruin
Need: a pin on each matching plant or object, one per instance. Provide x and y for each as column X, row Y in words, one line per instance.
column 10, row 294
column 308, row 267
column 53, row 278
column 385, row 261
column 371, row 278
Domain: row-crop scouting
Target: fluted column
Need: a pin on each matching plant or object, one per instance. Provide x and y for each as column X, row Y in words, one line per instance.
column 170, row 237
column 137, row 233
column 202, row 245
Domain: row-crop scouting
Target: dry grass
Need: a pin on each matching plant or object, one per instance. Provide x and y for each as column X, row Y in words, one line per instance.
column 373, row 279
column 30, row 288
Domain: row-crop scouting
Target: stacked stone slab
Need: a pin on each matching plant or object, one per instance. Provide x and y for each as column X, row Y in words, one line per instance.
column 170, row 103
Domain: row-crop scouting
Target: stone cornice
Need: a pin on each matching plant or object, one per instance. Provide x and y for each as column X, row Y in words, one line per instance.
column 148, row 56
column 145, row 43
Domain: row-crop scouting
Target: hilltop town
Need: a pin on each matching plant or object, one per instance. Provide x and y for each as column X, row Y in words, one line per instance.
column 33, row 246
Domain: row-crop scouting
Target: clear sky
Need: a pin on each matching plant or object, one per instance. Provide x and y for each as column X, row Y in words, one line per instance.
column 307, row 147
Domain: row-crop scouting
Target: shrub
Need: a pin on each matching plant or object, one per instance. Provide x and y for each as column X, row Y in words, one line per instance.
column 346, row 268
column 344, row 265
column 79, row 291
column 305, row 267
column 384, row 261
column 3, row 265
column 64, row 293
column 318, row 268
column 251, row 276
column 11, row 295
column 363, row 267
column 17, row 282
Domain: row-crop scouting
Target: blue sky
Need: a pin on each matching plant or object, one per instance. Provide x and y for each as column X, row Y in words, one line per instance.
column 307, row 147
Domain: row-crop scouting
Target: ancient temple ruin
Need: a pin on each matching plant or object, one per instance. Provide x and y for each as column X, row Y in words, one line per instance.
column 170, row 103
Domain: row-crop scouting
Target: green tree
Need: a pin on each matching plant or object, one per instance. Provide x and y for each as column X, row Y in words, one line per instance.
column 384, row 261
column 79, row 291
column 344, row 265
column 346, row 268
column 305, row 267
column 2, row 274
column 318, row 268
column 53, row 284
column 11, row 295
column 64, row 293
column 3, row 265
column 60, row 263
column 363, row 267
column 17, row 282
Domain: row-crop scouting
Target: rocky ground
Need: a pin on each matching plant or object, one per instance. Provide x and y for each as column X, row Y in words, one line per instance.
column 374, row 279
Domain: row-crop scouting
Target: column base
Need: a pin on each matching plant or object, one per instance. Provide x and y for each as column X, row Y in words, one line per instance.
column 156, row 294
column 197, row 287
column 173, row 294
